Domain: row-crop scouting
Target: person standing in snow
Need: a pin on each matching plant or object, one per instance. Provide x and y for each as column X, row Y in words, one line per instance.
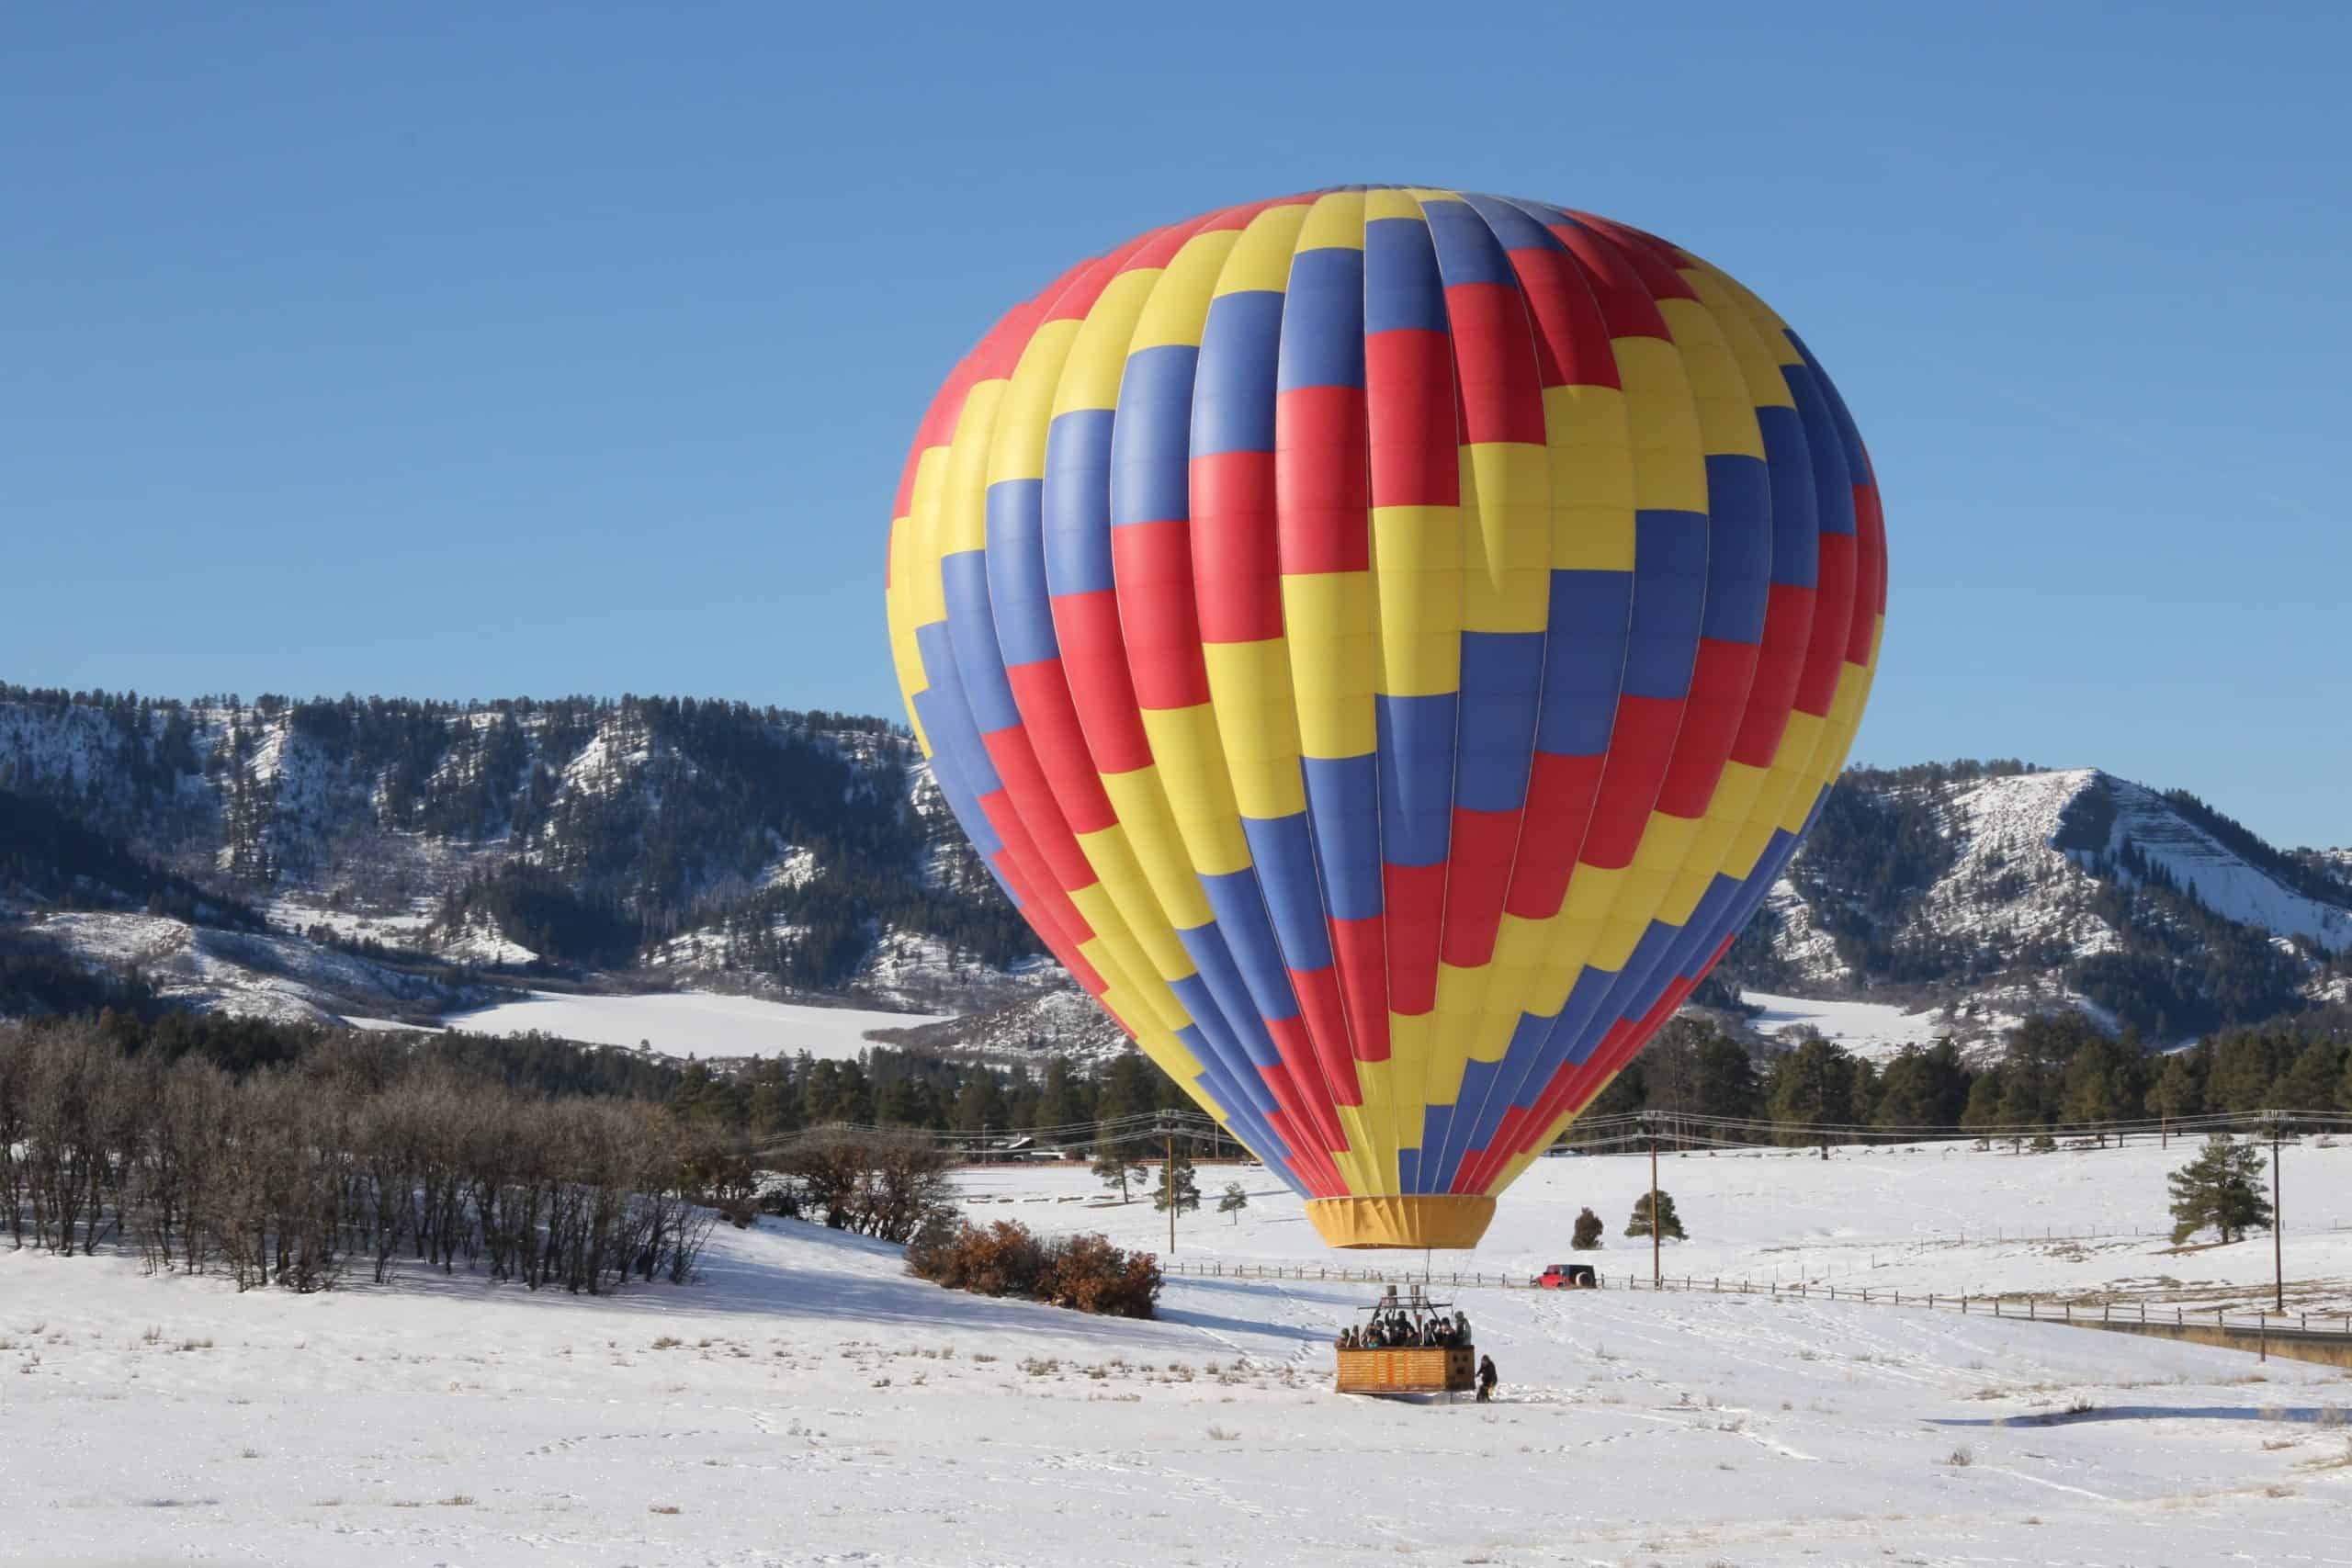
column 1486, row 1378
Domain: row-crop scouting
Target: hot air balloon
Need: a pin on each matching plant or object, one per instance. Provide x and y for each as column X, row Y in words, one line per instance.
column 1387, row 641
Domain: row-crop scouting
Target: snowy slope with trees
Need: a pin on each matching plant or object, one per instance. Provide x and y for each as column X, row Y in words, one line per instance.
column 1993, row 891
column 665, row 843
column 760, row 849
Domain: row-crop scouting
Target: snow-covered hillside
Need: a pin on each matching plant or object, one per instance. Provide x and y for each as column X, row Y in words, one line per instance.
column 1059, row 1022
column 1992, row 897
column 808, row 1403
column 281, row 978
column 743, row 849
column 811, row 857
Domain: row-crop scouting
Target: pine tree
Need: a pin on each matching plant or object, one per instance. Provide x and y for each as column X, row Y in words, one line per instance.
column 980, row 1106
column 1812, row 1084
column 1983, row 1108
column 2093, row 1087
column 1234, row 1202
column 2310, row 1084
column 1114, row 1168
column 1586, row 1237
column 1188, row 1188
column 1669, row 1224
column 2180, row 1091
column 1057, row 1100
column 2221, row 1189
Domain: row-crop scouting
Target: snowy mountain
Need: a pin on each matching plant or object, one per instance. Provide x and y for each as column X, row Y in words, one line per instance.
column 399, row 860
column 384, row 858
column 1987, row 892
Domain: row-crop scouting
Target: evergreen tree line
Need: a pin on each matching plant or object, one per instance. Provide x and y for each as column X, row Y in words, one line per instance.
column 356, row 1152
column 772, row 1098
column 2180, row 967
column 47, row 853
column 754, row 1104
column 2059, row 1069
column 37, row 979
column 1872, row 850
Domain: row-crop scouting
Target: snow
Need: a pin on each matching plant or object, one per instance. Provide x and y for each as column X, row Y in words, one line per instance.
column 478, row 941
column 809, row 1404
column 700, row 1023
column 1064, row 1021
column 2221, row 882
column 1943, row 1217
column 1877, row 1030
column 795, row 867
column 2007, row 887
column 915, row 969
column 281, row 978
column 1799, row 939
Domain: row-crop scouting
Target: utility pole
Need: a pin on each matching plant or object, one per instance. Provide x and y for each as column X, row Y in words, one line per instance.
column 1168, row 1178
column 2278, row 1225
column 1656, row 1276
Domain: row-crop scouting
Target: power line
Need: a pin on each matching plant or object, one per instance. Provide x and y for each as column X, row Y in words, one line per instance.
column 1627, row 1130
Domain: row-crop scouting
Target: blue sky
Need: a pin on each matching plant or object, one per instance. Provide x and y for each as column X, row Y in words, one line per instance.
column 480, row 351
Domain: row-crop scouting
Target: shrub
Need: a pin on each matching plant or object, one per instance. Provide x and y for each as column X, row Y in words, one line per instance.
column 1005, row 1259
column 929, row 1250
column 1085, row 1273
column 1586, row 1235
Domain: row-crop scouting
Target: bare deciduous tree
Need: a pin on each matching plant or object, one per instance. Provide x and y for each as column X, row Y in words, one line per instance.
column 289, row 1174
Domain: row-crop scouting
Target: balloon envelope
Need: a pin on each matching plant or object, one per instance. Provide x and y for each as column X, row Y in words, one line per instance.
column 1388, row 641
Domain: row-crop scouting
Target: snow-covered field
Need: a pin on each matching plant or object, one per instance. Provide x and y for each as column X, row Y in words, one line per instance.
column 2083, row 1224
column 1879, row 1032
column 1874, row 1030
column 808, row 1403
column 700, row 1023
